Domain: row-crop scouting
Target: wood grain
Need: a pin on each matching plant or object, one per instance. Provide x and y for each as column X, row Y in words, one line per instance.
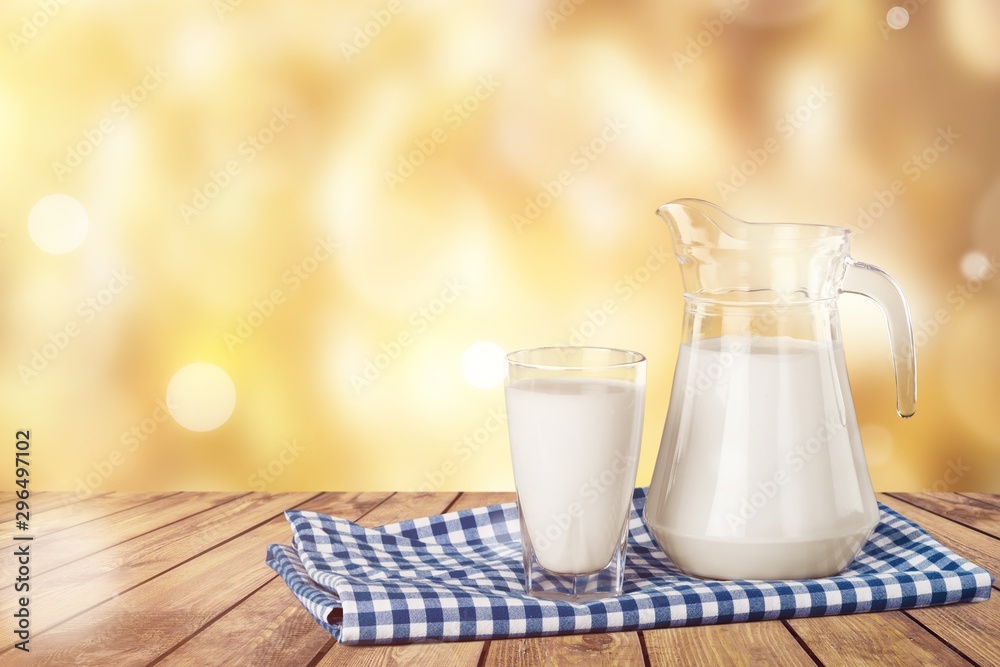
column 973, row 629
column 958, row 508
column 61, row 517
column 762, row 643
column 67, row 591
column 43, row 501
column 468, row 500
column 145, row 622
column 988, row 498
column 269, row 627
column 428, row 654
column 604, row 648
column 75, row 542
column 407, row 505
column 883, row 639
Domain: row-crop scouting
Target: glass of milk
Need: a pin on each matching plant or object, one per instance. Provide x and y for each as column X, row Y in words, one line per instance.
column 575, row 422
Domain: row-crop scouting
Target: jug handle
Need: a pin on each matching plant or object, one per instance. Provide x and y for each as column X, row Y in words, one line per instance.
column 877, row 285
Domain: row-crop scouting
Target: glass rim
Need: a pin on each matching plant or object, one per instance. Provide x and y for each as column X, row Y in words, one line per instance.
column 635, row 358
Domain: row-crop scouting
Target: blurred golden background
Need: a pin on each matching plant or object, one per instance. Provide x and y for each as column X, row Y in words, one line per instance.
column 251, row 244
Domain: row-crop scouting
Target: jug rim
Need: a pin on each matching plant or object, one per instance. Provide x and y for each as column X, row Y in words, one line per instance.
column 820, row 232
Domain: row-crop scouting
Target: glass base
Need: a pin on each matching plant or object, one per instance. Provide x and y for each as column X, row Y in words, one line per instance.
column 567, row 587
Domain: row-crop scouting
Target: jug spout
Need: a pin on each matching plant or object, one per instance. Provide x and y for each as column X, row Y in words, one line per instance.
column 697, row 222
column 724, row 257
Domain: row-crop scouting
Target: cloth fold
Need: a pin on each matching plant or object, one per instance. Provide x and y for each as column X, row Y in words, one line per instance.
column 458, row 576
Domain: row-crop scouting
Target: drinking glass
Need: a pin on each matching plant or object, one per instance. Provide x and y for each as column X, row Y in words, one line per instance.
column 575, row 421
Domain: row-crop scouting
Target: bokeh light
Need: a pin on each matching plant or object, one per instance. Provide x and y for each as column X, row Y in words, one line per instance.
column 58, row 224
column 484, row 364
column 897, row 18
column 201, row 396
column 975, row 265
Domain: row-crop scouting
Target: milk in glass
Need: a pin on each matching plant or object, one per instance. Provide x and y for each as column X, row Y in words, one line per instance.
column 575, row 449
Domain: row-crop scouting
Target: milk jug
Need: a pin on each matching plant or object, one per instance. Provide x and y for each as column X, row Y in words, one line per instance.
column 760, row 472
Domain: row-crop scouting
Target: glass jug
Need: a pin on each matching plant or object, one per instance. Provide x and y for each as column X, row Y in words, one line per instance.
column 761, row 473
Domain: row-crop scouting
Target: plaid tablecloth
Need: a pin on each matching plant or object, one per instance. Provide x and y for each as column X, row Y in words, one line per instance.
column 458, row 576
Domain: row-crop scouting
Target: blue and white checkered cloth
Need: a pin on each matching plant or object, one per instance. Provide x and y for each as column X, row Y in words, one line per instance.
column 458, row 576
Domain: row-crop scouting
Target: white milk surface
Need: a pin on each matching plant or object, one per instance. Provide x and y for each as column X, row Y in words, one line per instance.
column 575, row 449
column 760, row 473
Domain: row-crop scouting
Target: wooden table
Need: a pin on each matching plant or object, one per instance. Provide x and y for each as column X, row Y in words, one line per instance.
column 179, row 579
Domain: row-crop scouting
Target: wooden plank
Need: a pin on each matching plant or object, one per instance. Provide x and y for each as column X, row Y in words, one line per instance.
column 400, row 507
column 880, row 639
column 407, row 505
column 603, row 648
column 78, row 541
column 72, row 514
column 142, row 622
column 468, row 500
column 69, row 590
column 760, row 643
column 429, row 654
column 980, row 549
column 44, row 501
column 989, row 498
column 958, row 508
column 268, row 628
column 146, row 621
column 973, row 629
